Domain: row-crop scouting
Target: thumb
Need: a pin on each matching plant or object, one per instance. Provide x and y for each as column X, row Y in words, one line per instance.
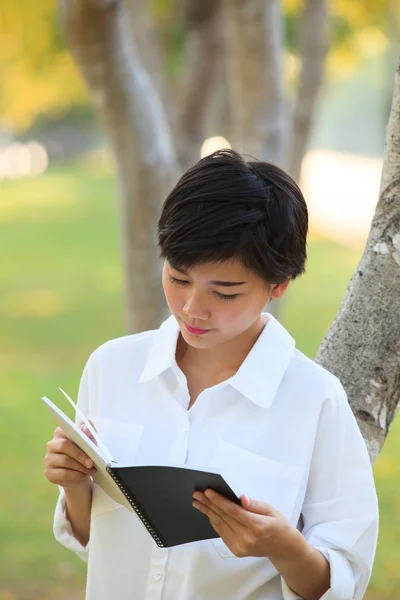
column 256, row 506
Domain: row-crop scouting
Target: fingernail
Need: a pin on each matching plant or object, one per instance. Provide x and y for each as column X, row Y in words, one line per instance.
column 88, row 463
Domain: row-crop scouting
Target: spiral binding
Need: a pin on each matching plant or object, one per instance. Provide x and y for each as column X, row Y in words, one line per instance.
column 138, row 510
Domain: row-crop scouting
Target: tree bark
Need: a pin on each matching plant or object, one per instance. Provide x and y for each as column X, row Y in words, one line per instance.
column 150, row 49
column 203, row 58
column 219, row 122
column 362, row 346
column 312, row 47
column 259, row 108
column 101, row 41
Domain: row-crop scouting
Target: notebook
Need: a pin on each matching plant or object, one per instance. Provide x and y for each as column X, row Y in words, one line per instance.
column 160, row 495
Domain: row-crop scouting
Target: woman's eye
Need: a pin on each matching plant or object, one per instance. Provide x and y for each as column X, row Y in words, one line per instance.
column 184, row 282
column 226, row 297
column 177, row 281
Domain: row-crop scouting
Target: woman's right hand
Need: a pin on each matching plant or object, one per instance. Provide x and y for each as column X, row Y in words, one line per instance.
column 66, row 464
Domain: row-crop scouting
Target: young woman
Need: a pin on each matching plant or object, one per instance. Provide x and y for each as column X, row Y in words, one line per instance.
column 220, row 383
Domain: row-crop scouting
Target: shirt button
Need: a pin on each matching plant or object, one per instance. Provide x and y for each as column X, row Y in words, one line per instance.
column 184, row 432
column 158, row 576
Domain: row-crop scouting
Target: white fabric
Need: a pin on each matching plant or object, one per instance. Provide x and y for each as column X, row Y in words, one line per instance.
column 281, row 430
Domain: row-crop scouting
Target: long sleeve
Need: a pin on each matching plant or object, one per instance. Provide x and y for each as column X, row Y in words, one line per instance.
column 63, row 531
column 340, row 510
column 61, row 526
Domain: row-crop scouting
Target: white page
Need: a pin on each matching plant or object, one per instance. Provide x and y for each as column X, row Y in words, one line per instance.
column 94, row 433
column 76, row 435
column 80, row 438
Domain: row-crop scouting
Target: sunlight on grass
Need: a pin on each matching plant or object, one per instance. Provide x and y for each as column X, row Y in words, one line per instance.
column 42, row 199
column 109, row 278
column 387, row 467
column 35, row 303
column 99, row 163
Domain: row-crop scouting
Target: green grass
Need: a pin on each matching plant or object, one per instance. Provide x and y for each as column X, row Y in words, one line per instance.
column 60, row 297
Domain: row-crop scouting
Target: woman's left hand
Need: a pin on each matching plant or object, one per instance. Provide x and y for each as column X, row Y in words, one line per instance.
column 252, row 529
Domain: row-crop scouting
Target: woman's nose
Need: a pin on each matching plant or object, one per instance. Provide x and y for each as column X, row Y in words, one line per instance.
column 195, row 309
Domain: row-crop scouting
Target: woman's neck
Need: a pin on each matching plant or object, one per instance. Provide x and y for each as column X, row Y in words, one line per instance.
column 223, row 358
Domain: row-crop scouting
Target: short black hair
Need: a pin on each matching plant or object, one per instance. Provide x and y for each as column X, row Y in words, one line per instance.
column 225, row 207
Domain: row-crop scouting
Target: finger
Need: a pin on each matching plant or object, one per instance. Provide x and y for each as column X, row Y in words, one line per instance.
column 216, row 515
column 65, row 446
column 223, row 506
column 62, row 476
column 217, row 521
column 58, row 433
column 87, row 432
column 233, row 536
column 257, row 506
column 66, row 462
column 239, row 513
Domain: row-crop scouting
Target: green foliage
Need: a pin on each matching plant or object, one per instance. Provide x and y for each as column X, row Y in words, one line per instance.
column 357, row 30
column 61, row 297
column 35, row 63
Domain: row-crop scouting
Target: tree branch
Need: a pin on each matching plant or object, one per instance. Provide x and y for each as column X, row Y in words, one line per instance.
column 313, row 46
column 150, row 49
column 254, row 41
column 203, row 57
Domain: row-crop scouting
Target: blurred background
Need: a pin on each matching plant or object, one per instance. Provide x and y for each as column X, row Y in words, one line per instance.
column 63, row 187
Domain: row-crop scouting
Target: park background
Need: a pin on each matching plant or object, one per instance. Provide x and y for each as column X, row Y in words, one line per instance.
column 61, row 278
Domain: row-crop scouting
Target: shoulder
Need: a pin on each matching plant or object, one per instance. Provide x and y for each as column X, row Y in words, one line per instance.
column 131, row 349
column 304, row 382
column 313, row 380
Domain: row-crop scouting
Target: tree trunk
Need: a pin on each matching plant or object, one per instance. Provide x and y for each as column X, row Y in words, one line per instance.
column 362, row 346
column 254, row 42
column 203, row 58
column 312, row 47
column 102, row 43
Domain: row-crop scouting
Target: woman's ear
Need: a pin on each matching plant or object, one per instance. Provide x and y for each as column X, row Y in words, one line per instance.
column 278, row 289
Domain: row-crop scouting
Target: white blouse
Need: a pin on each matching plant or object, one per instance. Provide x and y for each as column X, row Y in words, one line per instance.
column 280, row 429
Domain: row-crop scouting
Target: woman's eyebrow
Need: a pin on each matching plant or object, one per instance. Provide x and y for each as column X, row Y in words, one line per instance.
column 214, row 282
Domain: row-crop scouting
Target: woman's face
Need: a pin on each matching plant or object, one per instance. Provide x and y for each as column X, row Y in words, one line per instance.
column 225, row 299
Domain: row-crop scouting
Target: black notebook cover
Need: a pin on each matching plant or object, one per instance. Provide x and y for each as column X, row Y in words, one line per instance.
column 162, row 498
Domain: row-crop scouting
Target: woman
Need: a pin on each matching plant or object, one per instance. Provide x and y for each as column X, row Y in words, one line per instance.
column 221, row 384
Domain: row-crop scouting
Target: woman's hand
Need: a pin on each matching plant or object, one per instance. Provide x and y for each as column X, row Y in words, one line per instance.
column 65, row 464
column 252, row 529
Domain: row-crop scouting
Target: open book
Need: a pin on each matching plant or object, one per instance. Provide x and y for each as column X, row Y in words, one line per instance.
column 161, row 496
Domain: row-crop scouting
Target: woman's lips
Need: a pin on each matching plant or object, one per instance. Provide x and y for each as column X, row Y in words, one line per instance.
column 195, row 331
